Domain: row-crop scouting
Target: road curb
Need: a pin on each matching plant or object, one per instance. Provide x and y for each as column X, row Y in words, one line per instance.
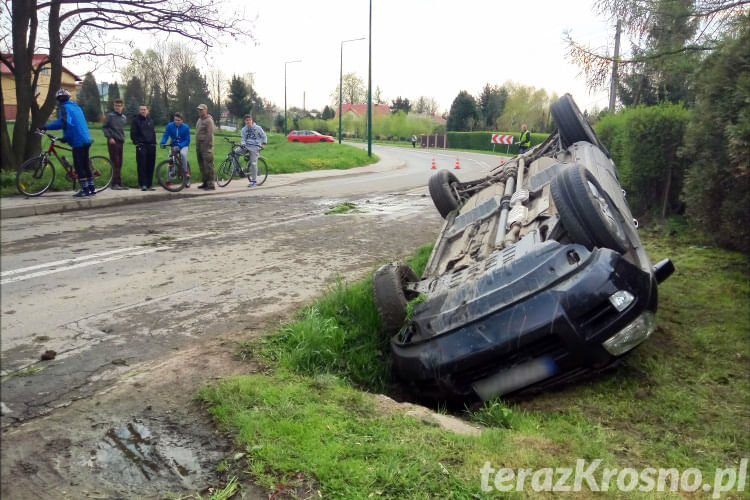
column 26, row 207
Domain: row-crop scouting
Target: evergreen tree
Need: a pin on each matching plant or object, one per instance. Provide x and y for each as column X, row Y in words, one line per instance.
column 491, row 105
column 156, row 107
column 113, row 95
column 89, row 99
column 328, row 113
column 134, row 97
column 463, row 114
column 192, row 90
column 400, row 105
column 239, row 103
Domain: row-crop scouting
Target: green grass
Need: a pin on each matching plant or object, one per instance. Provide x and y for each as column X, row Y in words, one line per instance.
column 344, row 208
column 282, row 156
column 681, row 399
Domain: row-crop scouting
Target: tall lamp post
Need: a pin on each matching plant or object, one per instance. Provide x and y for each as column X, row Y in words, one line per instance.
column 341, row 80
column 285, row 63
column 369, row 89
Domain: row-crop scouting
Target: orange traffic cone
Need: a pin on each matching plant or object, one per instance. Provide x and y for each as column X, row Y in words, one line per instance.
column 433, row 165
column 457, row 167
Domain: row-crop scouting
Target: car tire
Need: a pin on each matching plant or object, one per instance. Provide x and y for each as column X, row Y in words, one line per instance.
column 586, row 212
column 390, row 297
column 441, row 192
column 572, row 125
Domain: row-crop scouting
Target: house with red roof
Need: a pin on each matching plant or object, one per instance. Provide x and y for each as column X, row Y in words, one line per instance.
column 42, row 63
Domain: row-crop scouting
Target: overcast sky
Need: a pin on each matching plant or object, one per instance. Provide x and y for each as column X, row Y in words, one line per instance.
column 419, row 48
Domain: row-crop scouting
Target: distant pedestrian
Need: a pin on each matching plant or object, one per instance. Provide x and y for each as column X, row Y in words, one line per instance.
column 179, row 134
column 253, row 139
column 413, row 141
column 76, row 133
column 204, row 147
column 114, row 131
column 524, row 142
column 143, row 135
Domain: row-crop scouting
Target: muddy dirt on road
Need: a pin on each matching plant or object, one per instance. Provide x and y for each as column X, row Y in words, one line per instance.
column 113, row 415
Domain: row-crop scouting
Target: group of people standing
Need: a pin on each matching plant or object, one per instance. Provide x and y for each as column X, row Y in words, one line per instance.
column 143, row 134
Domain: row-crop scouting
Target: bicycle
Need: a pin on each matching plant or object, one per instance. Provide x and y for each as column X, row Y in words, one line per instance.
column 169, row 173
column 36, row 175
column 232, row 167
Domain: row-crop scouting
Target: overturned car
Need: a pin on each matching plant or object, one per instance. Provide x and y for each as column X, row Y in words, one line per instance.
column 538, row 275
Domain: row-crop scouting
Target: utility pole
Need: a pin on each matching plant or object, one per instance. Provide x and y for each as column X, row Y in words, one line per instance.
column 613, row 84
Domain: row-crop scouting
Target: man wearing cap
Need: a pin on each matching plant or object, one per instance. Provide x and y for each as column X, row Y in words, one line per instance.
column 204, row 149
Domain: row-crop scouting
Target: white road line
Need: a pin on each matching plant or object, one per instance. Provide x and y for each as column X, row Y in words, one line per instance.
column 82, row 264
column 66, row 262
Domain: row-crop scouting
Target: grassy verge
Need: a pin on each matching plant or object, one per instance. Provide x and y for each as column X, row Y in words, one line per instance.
column 680, row 400
column 282, row 156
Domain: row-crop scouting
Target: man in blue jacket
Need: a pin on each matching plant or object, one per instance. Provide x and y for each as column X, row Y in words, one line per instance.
column 76, row 133
column 179, row 133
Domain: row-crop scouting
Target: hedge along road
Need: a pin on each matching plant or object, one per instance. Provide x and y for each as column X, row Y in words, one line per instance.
column 142, row 303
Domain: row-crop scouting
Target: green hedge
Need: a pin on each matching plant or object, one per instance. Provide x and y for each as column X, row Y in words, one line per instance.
column 481, row 141
column 645, row 143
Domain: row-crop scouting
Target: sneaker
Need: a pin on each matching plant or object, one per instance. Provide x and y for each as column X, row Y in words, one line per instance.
column 187, row 184
column 144, row 188
column 150, row 189
column 202, row 186
column 115, row 187
column 124, row 188
column 210, row 188
column 81, row 194
column 252, row 184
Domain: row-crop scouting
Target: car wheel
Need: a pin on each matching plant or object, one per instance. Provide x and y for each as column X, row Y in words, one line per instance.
column 572, row 125
column 586, row 212
column 323, row 140
column 390, row 298
column 295, row 140
column 441, row 191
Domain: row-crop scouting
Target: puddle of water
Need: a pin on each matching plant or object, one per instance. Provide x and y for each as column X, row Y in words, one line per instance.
column 134, row 453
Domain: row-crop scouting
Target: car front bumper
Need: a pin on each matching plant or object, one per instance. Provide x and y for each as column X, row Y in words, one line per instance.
column 538, row 320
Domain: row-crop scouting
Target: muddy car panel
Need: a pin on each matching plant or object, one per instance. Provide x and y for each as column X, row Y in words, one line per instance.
column 537, row 277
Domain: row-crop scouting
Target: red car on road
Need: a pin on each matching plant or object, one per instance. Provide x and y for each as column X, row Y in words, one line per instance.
column 308, row 136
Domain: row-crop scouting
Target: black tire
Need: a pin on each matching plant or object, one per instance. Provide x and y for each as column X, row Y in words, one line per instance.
column 390, row 298
column 35, row 176
column 586, row 212
column 442, row 193
column 262, row 170
column 572, row 125
column 170, row 176
column 295, row 140
column 224, row 173
column 323, row 140
column 101, row 172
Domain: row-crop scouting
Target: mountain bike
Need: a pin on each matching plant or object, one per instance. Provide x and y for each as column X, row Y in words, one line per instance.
column 36, row 175
column 233, row 166
column 170, row 174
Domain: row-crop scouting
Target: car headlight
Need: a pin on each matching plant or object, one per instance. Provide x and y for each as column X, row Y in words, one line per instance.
column 621, row 299
column 632, row 335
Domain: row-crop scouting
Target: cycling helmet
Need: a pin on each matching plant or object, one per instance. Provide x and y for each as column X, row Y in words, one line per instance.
column 62, row 95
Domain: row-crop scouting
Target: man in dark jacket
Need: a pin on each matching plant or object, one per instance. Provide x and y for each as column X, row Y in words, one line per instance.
column 76, row 133
column 114, row 131
column 143, row 135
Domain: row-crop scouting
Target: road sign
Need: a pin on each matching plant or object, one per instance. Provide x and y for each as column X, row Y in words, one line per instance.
column 501, row 139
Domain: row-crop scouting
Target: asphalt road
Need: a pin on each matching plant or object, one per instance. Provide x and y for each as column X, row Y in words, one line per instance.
column 119, row 293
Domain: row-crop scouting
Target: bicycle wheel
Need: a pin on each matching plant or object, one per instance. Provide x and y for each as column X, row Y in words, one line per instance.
column 35, row 176
column 262, row 170
column 101, row 171
column 224, row 173
column 170, row 176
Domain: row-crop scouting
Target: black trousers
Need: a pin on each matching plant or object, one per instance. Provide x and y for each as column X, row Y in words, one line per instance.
column 145, row 158
column 81, row 161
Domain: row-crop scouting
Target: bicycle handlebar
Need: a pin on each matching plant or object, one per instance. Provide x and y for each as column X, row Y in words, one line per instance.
column 53, row 138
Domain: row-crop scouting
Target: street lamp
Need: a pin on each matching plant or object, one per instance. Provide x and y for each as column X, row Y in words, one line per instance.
column 341, row 80
column 285, row 63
